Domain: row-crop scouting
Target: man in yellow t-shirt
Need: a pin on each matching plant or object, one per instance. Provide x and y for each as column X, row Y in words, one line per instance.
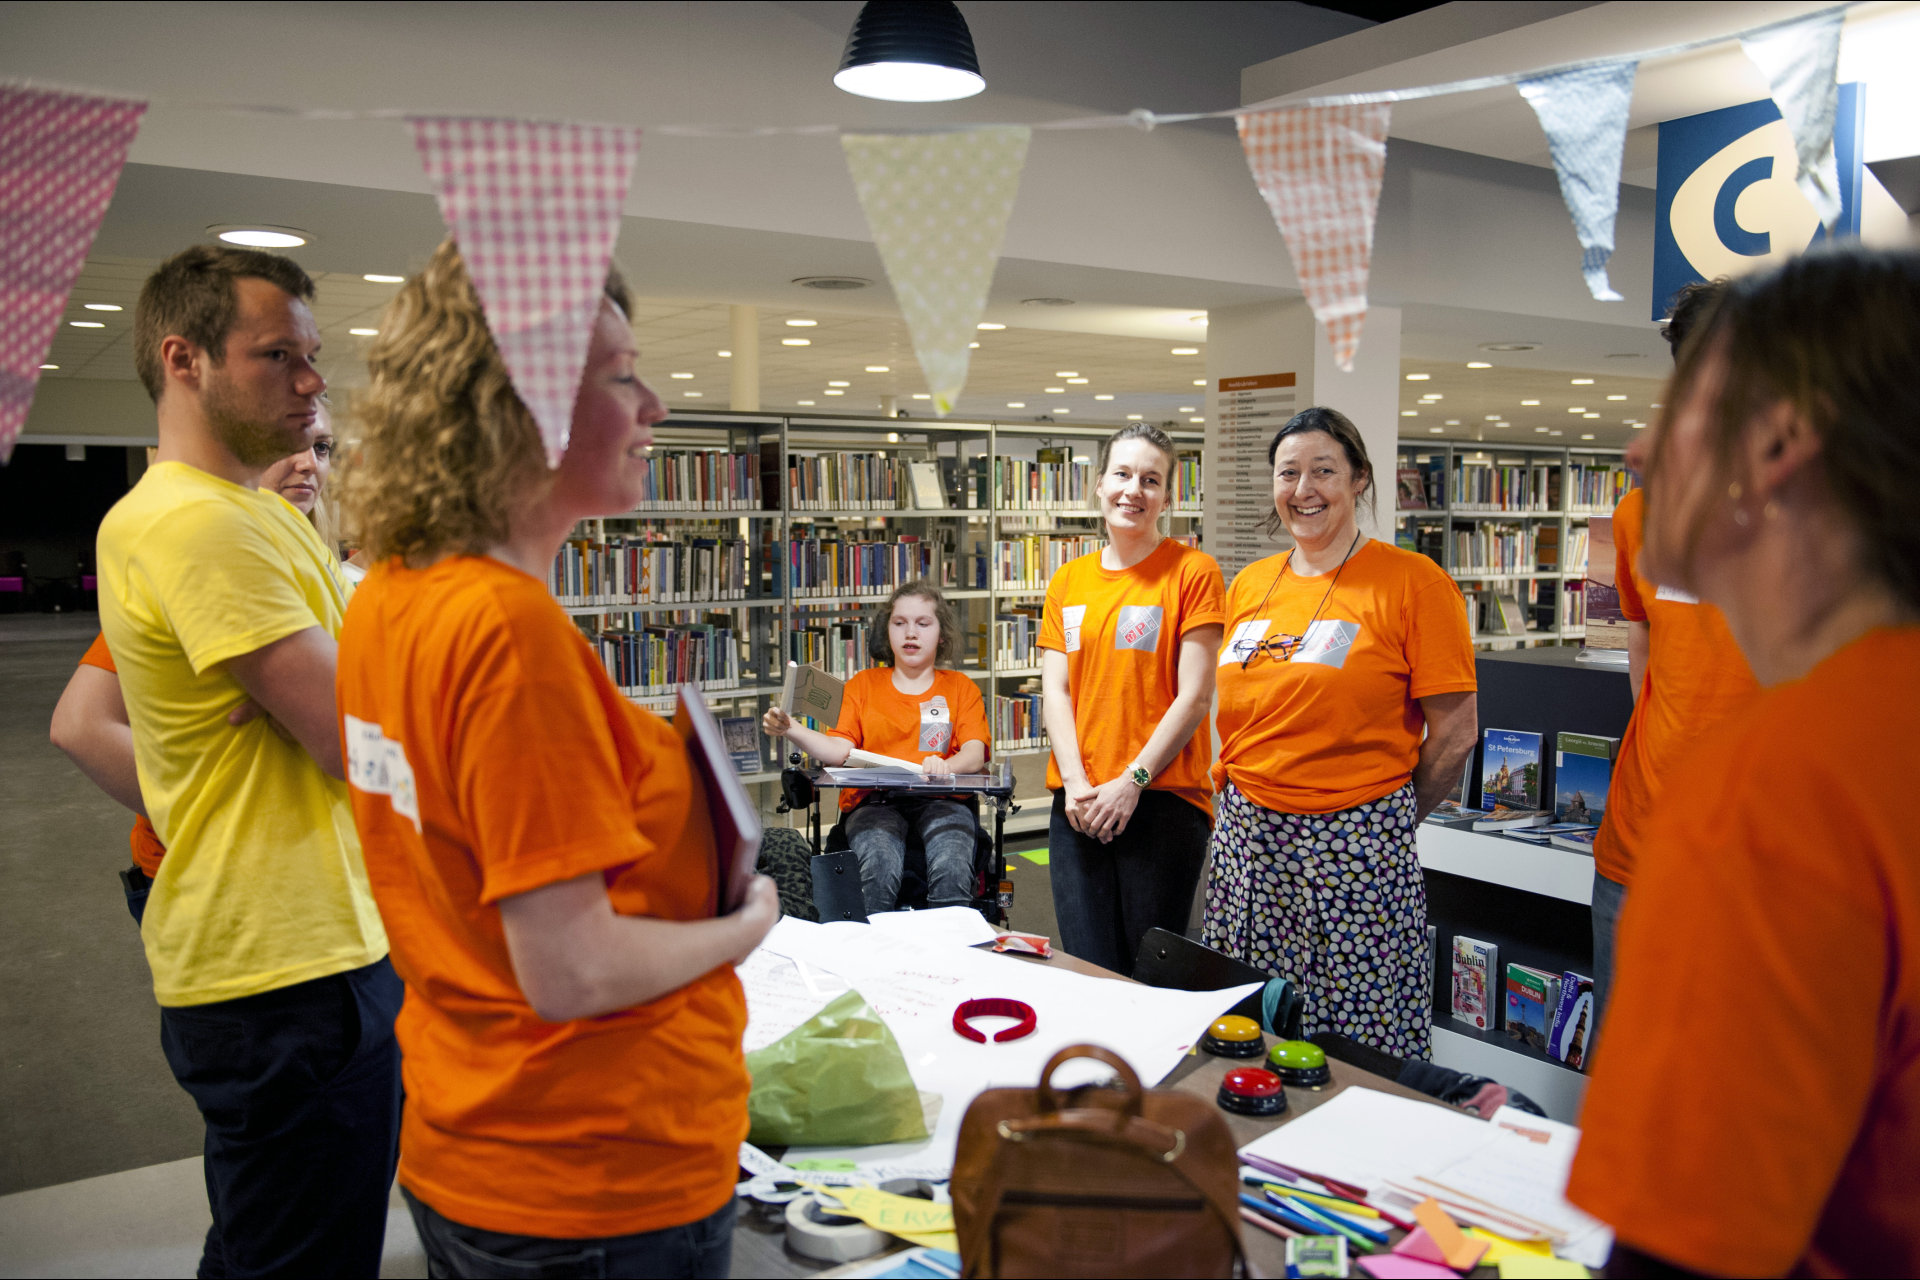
column 268, row 955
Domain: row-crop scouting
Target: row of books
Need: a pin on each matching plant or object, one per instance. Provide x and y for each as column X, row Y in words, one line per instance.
column 1016, row 639
column 1494, row 548
column 654, row 660
column 1505, row 486
column 1053, row 482
column 1513, row 769
column 1547, row 549
column 653, row 568
column 1031, row 561
column 1551, row 1012
column 1017, row 722
column 863, row 567
column 1474, row 485
column 847, row 482
column 838, row 648
column 700, row 480
column 1598, row 488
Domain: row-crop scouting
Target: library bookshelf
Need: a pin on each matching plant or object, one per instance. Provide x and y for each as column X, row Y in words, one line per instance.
column 1509, row 521
column 770, row 537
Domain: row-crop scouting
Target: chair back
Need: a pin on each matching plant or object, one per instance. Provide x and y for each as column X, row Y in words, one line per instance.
column 1166, row 959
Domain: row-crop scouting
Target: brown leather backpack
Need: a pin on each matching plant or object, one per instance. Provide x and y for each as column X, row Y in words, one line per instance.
column 1096, row 1181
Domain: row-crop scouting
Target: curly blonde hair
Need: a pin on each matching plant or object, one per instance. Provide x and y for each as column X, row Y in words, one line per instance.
column 445, row 447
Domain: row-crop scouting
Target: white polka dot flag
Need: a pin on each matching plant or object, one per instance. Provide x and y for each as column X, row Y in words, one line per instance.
column 60, row 158
column 1319, row 169
column 1801, row 63
column 535, row 209
column 1584, row 114
column 938, row 205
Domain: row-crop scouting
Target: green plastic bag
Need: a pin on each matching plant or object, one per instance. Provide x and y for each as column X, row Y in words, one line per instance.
column 836, row 1080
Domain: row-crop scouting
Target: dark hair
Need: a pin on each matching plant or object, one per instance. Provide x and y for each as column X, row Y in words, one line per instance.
column 1835, row 333
column 192, row 295
column 1341, row 428
column 1691, row 304
column 880, row 647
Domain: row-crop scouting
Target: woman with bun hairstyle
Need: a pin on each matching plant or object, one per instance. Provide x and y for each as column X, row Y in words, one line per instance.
column 911, row 706
column 1346, row 714
column 1127, row 638
column 540, row 848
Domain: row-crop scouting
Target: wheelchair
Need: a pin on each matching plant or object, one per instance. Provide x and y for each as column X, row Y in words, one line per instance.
column 830, row 889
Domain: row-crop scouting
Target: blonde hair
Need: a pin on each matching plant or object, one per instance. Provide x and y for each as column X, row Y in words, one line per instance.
column 445, row 446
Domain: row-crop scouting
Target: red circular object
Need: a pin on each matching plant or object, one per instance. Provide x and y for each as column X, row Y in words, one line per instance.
column 1251, row 1082
column 997, row 1007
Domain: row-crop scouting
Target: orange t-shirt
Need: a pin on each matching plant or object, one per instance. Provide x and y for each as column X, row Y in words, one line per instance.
column 1121, row 631
column 143, row 841
column 1755, row 1105
column 1339, row 723
column 490, row 755
column 875, row 716
column 1696, row 676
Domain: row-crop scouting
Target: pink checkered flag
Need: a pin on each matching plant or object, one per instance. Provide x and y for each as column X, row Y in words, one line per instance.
column 1319, row 169
column 535, row 209
column 60, row 158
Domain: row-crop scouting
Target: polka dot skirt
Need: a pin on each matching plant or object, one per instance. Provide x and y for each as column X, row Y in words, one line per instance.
column 1334, row 902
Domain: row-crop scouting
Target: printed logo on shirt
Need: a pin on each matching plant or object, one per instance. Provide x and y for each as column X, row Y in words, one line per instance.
column 1071, row 616
column 1675, row 595
column 1328, row 642
column 1241, row 642
column 936, row 726
column 1137, row 627
column 377, row 765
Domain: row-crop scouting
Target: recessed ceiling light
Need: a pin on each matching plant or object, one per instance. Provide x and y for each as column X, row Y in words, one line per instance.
column 1638, row 426
column 1493, row 417
column 1016, row 404
column 257, row 237
column 693, row 394
column 796, row 342
column 808, row 403
column 1103, row 397
column 1540, row 430
column 1431, row 396
column 973, row 346
column 1066, row 373
column 1478, row 364
column 378, row 279
column 834, row 284
column 1616, row 397
column 989, row 325
column 86, row 324
column 1436, row 430
column 1079, row 382
column 879, row 368
column 921, row 395
column 1187, row 408
column 374, row 333
column 1582, row 382
column 724, row 355
column 839, row 384
column 105, row 306
column 1196, row 419
column 1055, row 391
column 1656, row 404
column 1578, row 408
column 1186, row 351
column 1509, row 346
column 801, row 324
column 679, row 375
column 1586, row 435
column 893, row 437
column 1199, row 382
column 1525, row 403
column 49, row 366
column 1556, row 433
column 830, row 391
column 1062, row 409
column 1589, row 415
column 1503, row 424
column 1408, row 413
column 1454, row 422
column 1419, row 377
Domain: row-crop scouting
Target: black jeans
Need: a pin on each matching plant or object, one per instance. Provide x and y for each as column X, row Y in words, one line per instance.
column 703, row 1249
column 138, row 886
column 1106, row 896
column 300, row 1091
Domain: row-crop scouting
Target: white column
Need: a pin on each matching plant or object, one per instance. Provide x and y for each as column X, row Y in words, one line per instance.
column 744, row 392
column 1265, row 363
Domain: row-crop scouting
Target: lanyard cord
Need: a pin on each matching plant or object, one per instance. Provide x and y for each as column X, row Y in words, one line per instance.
column 1338, row 570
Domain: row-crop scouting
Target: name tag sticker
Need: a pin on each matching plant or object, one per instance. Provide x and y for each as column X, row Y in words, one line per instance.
column 377, row 765
column 1071, row 616
column 1675, row 595
column 1137, row 627
column 936, row 726
column 1244, row 637
column 1328, row 642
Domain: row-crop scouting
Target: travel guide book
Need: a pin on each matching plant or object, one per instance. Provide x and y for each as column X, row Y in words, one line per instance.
column 1583, row 768
column 1533, row 997
column 1510, row 761
column 1572, row 1021
column 1476, row 965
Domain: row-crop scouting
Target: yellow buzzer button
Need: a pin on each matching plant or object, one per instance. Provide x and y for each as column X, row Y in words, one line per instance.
column 1234, row 1037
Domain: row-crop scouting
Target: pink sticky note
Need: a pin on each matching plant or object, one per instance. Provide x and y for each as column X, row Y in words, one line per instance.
column 1397, row 1266
column 1420, row 1245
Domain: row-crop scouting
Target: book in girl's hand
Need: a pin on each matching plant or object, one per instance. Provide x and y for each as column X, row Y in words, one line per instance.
column 1533, row 997
column 1510, row 768
column 1476, row 965
column 809, row 691
column 1572, row 1021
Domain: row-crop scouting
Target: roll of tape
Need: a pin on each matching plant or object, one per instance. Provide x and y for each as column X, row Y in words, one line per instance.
column 812, row 1233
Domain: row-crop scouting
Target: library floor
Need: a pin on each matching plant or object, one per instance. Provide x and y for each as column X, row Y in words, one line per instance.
column 99, row 1148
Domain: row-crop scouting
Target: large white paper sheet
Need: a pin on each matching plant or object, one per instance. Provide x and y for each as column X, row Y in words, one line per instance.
column 916, row 987
column 953, row 926
column 1368, row 1138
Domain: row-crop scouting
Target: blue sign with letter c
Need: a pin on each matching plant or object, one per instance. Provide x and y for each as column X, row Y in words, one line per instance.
column 1727, row 201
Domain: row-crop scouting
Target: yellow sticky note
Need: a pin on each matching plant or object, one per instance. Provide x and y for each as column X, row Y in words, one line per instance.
column 1499, row 1246
column 1531, row 1266
column 920, row 1221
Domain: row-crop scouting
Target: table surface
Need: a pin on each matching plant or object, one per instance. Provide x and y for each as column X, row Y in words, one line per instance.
column 759, row 1239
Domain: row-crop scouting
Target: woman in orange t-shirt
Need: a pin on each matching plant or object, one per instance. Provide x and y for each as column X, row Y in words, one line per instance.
column 912, row 710
column 1755, row 1103
column 1126, row 669
column 539, row 847
column 1346, row 713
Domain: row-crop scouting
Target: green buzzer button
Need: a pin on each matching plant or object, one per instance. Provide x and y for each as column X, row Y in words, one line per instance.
column 1301, row 1064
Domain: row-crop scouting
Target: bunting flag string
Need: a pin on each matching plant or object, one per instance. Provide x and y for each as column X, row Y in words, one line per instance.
column 535, row 209
column 1801, row 62
column 938, row 206
column 1584, row 114
column 1319, row 170
column 60, row 159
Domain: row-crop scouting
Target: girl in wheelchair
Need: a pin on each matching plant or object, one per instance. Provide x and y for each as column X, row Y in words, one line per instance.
column 913, row 707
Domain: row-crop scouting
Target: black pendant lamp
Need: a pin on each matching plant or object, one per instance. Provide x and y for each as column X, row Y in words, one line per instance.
column 910, row 51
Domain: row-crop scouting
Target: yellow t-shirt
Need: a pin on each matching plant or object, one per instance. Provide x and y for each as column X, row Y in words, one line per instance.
column 262, row 886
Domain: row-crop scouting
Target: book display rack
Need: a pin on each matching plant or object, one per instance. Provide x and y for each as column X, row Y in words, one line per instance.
column 768, row 538
column 1509, row 523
